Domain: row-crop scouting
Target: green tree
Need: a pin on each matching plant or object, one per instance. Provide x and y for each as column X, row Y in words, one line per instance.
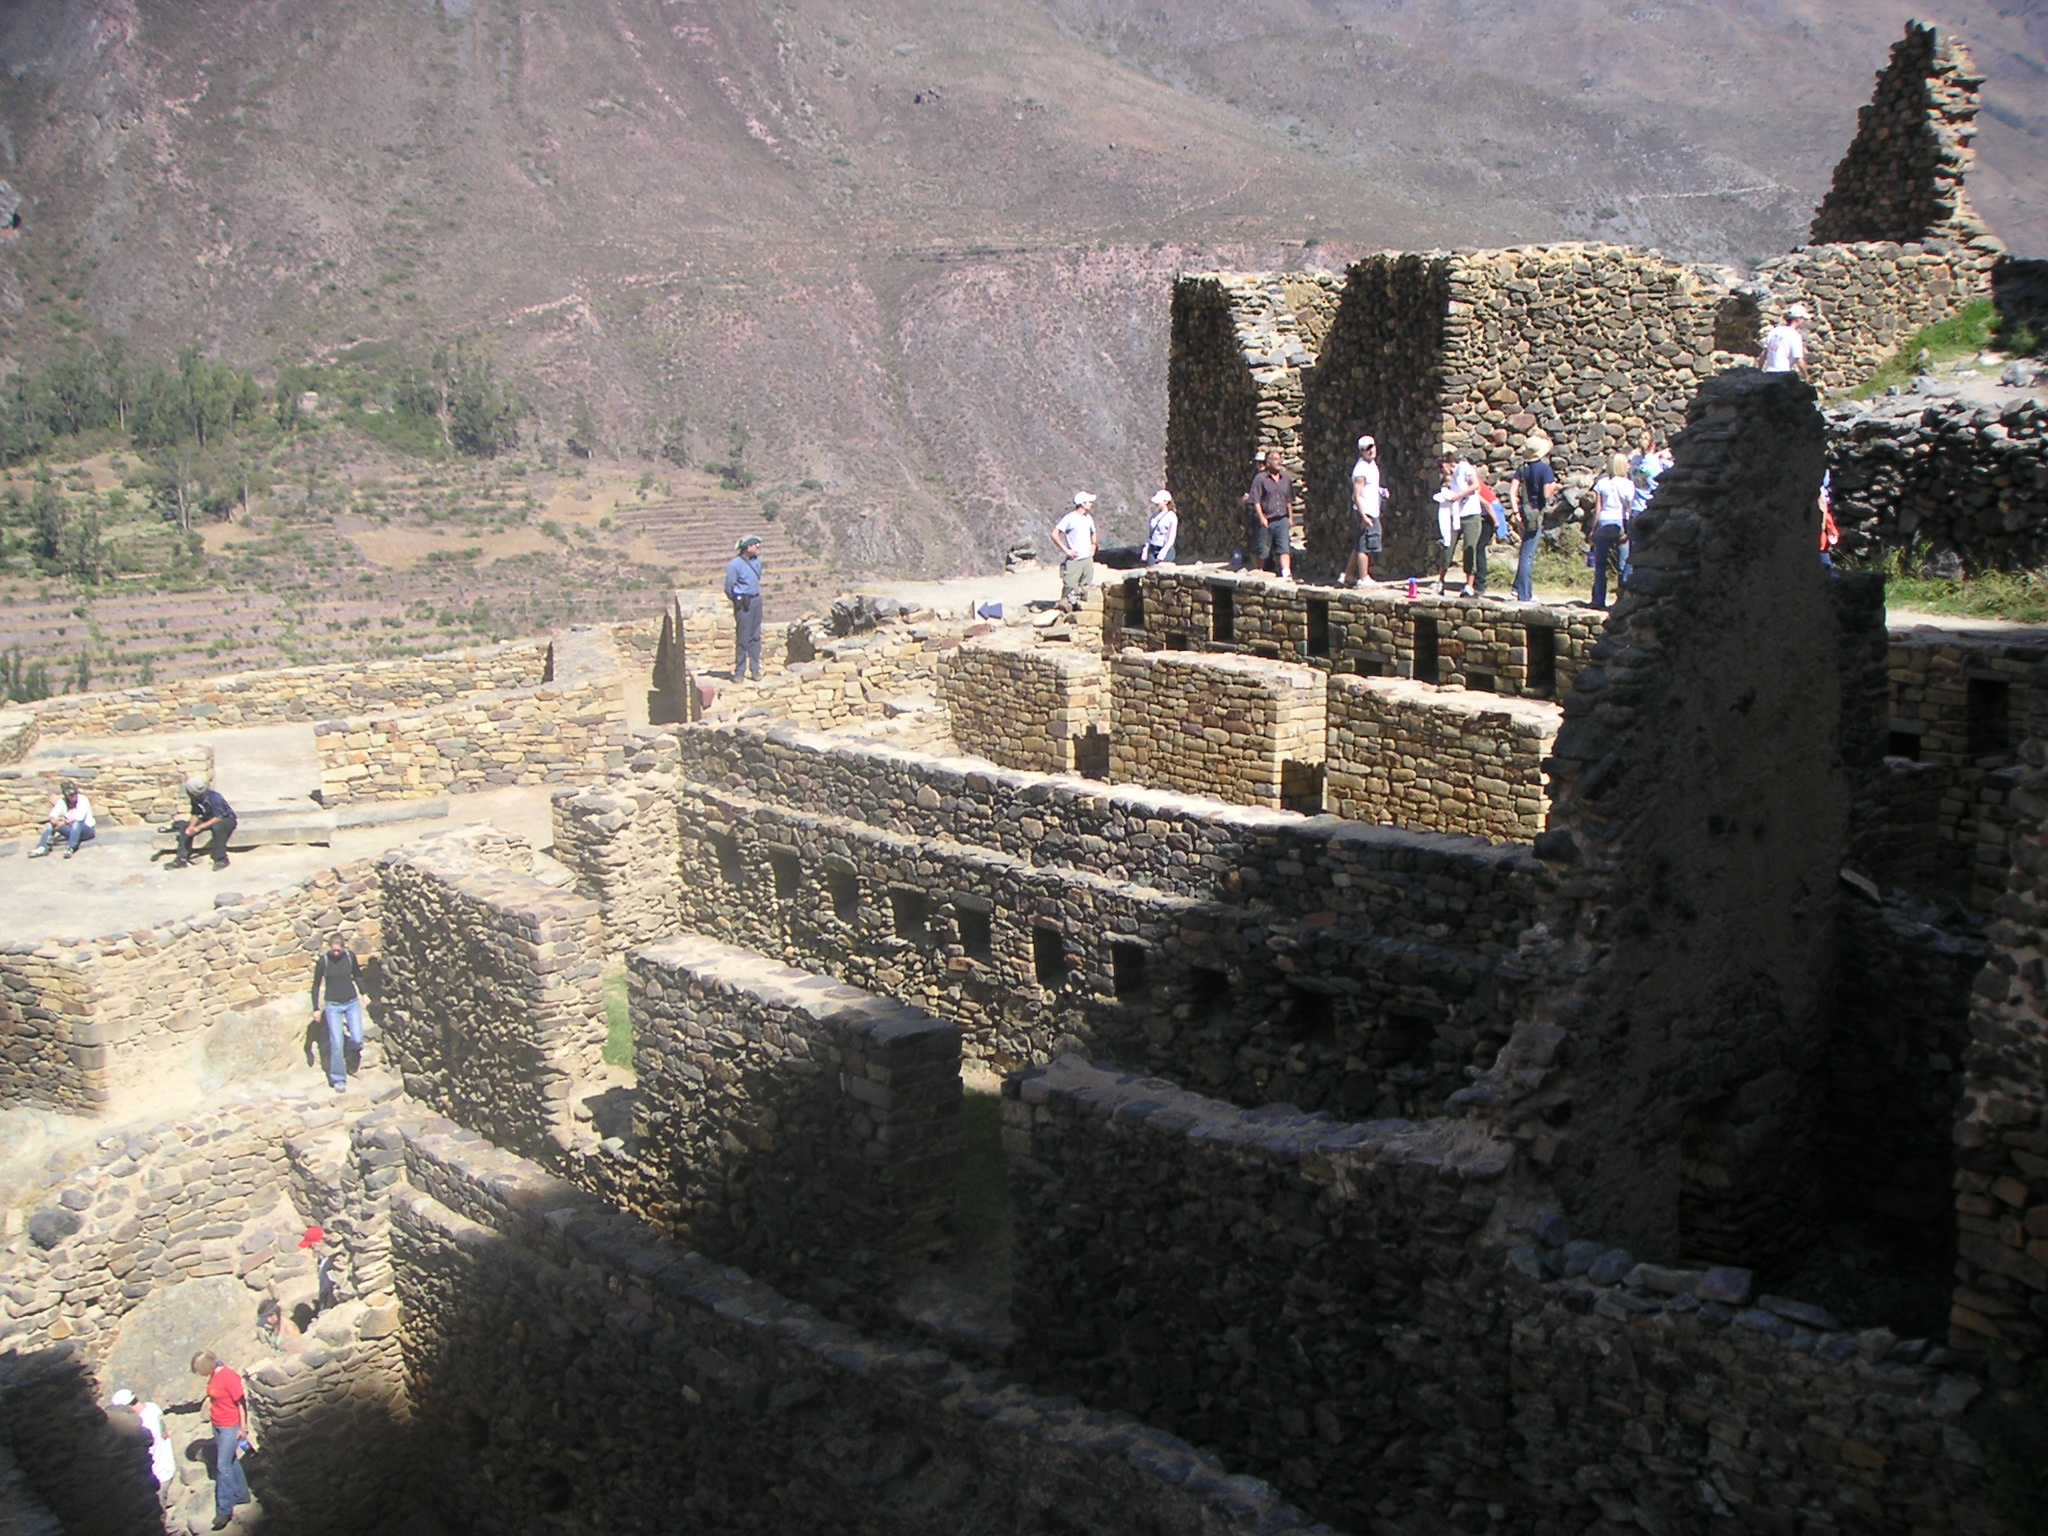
column 84, row 555
column 49, row 515
column 483, row 414
column 675, row 441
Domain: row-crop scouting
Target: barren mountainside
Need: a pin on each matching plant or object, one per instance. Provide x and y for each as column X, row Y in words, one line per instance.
column 918, row 251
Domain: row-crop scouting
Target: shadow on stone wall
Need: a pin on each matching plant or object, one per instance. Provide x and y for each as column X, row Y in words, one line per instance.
column 72, row 1457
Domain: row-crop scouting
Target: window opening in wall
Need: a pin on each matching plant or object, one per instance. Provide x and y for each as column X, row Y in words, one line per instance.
column 1990, row 717
column 1311, row 1016
column 1371, row 666
column 1898, row 743
column 727, row 850
column 1405, row 1043
column 1049, row 957
column 789, row 871
column 1480, row 682
column 1425, row 649
column 1223, row 615
column 844, row 887
column 1127, row 963
column 907, row 908
column 1091, row 753
column 977, row 933
column 1541, row 643
column 1318, row 626
column 1134, row 605
column 1206, row 991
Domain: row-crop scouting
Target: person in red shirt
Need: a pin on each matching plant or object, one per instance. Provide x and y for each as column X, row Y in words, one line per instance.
column 224, row 1412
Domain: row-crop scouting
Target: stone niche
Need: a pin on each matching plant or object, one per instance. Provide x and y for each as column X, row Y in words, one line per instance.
column 1445, row 761
column 1240, row 728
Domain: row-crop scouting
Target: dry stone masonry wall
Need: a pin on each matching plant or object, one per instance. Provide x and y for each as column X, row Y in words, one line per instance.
column 125, row 789
column 1405, row 754
column 1240, row 728
column 1021, row 704
column 620, row 839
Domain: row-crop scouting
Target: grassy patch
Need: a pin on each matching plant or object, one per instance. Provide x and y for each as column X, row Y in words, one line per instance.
column 981, row 1221
column 1963, row 334
column 2021, row 596
column 618, row 1019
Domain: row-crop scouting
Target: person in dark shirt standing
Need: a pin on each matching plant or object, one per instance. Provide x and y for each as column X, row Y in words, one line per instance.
column 337, row 977
column 1272, row 497
column 1530, row 492
column 211, row 813
column 743, row 590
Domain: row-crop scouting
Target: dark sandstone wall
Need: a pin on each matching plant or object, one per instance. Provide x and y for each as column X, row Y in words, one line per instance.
column 1699, row 913
column 1212, row 420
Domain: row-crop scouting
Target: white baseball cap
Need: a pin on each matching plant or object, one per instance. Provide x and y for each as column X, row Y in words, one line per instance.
column 1083, row 499
column 1161, row 498
column 1365, row 442
column 1798, row 312
column 122, row 1398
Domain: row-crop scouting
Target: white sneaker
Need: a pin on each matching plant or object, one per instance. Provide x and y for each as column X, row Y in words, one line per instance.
column 39, row 853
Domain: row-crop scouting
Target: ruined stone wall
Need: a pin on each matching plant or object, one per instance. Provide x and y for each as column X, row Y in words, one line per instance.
column 551, row 735
column 19, row 732
column 1406, row 754
column 297, row 693
column 1240, row 728
column 862, row 677
column 125, row 789
column 1950, row 477
column 78, row 1016
column 1025, row 705
column 1234, row 364
column 619, row 837
column 492, row 1006
column 803, row 1128
column 1902, row 177
column 1868, row 299
column 1695, row 920
column 1302, row 1294
column 73, row 1474
column 1528, row 649
column 563, row 1357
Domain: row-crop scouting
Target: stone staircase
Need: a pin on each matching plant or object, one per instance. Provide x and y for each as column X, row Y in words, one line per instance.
column 695, row 531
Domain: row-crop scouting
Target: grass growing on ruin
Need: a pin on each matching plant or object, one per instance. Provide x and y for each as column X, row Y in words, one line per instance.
column 1963, row 334
column 2018, row 596
column 618, row 1019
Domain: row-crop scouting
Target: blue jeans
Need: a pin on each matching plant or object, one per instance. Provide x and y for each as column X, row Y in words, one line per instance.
column 1525, row 570
column 75, row 832
column 230, row 1482
column 1606, row 539
column 338, row 1015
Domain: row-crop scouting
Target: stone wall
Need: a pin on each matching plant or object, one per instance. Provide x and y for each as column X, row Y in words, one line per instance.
column 492, row 1007
column 798, row 1126
column 19, row 732
column 564, row 1357
column 620, row 839
column 125, row 789
column 1410, row 755
column 1699, row 818
column 861, row 677
column 73, row 1473
column 298, row 693
column 550, row 735
column 1867, row 299
column 1240, row 728
column 79, row 1016
column 1023, row 704
column 1528, row 649
column 1953, row 477
column 1312, row 1298
column 1902, row 178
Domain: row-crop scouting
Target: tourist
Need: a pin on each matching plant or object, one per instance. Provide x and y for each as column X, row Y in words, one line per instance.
column 1368, row 497
column 149, row 1419
column 224, row 1396
column 1650, row 460
column 1272, row 497
column 1074, row 537
column 70, row 818
column 338, row 977
column 1785, row 344
column 1830, row 531
column 1529, row 493
column 743, row 591
column 1614, row 497
column 273, row 1325
column 1458, row 516
column 212, row 817
column 326, row 1292
column 1162, row 529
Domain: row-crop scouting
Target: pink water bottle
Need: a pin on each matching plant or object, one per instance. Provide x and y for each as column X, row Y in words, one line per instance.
column 1411, row 588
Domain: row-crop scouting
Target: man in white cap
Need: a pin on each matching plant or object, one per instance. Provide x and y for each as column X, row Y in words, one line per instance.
column 1074, row 537
column 1785, row 343
column 1162, row 529
column 149, row 1420
column 1367, row 498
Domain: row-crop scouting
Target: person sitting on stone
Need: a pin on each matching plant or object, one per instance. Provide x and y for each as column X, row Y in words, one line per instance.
column 211, row 814
column 70, row 818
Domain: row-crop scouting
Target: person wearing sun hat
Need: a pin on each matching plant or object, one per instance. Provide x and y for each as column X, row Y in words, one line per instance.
column 743, row 591
column 1074, row 537
column 1785, row 343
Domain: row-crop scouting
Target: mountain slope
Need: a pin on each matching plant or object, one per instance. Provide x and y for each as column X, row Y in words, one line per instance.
column 918, row 251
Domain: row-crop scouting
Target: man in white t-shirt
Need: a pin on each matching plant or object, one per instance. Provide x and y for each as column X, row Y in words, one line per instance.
column 1785, row 344
column 1367, row 499
column 1074, row 537
column 70, row 818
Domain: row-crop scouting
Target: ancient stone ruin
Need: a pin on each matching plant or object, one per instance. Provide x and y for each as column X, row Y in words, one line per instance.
column 1264, row 1057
